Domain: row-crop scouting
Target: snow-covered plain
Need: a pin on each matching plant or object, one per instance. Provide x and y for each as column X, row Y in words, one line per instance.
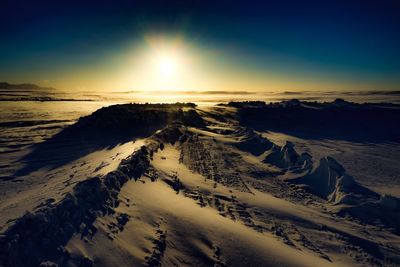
column 205, row 191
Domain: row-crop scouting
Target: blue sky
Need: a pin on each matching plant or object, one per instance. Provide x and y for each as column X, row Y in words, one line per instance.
column 311, row 42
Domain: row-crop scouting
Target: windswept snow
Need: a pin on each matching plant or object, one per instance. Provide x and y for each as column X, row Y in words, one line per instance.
column 203, row 190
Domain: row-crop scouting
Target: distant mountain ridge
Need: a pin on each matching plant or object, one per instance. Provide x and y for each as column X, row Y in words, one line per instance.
column 23, row 86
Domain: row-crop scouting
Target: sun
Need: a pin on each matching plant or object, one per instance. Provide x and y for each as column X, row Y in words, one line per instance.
column 163, row 64
column 167, row 65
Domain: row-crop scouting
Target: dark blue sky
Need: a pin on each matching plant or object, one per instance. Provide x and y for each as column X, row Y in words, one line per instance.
column 356, row 41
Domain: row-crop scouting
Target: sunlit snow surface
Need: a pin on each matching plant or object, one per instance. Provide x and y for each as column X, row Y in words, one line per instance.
column 32, row 116
column 204, row 191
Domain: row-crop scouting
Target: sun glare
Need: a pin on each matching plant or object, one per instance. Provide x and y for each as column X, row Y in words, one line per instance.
column 164, row 64
column 167, row 65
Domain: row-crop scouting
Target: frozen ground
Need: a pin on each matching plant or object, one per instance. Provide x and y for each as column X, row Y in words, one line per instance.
column 205, row 191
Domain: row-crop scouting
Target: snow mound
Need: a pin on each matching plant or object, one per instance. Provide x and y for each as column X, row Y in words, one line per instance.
column 304, row 161
column 252, row 142
column 326, row 179
column 329, row 180
column 286, row 157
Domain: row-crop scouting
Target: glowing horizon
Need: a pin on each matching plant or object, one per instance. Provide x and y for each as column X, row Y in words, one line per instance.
column 261, row 47
column 161, row 63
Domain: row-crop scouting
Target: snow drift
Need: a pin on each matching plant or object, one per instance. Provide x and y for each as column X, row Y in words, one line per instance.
column 38, row 238
column 329, row 180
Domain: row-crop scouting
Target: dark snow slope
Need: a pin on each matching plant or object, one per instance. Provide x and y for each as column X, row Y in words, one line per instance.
column 335, row 120
column 139, row 118
column 106, row 128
